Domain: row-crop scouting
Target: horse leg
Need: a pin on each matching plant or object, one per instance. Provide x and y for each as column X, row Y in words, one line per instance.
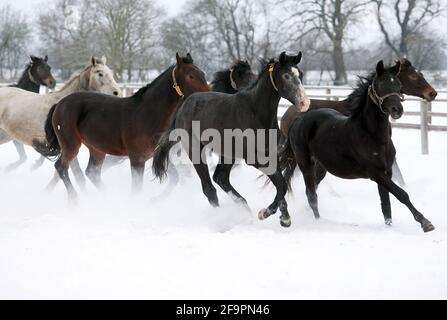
column 137, row 169
column 309, row 174
column 22, row 157
column 93, row 171
column 61, row 166
column 39, row 162
column 112, row 161
column 52, row 184
column 222, row 178
column 403, row 197
column 78, row 174
column 207, row 186
column 280, row 202
column 397, row 175
column 385, row 204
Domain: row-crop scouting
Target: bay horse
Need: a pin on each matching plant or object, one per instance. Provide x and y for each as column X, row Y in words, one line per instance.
column 118, row 126
column 413, row 84
column 23, row 113
column 230, row 80
column 254, row 108
column 37, row 73
column 352, row 147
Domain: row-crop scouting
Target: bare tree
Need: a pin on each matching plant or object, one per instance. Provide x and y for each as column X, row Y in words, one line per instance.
column 410, row 16
column 329, row 18
column 15, row 35
column 128, row 29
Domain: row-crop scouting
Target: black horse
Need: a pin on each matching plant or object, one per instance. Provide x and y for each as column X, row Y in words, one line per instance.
column 248, row 110
column 352, row 147
column 232, row 80
column 37, row 73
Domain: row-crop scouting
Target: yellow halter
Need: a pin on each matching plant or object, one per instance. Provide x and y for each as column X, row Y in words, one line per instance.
column 271, row 68
column 176, row 86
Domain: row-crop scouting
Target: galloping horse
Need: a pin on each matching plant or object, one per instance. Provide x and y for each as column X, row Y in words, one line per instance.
column 37, row 73
column 252, row 109
column 352, row 147
column 23, row 113
column 118, row 126
column 413, row 84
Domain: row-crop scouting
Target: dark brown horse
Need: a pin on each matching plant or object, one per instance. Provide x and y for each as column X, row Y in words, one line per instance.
column 413, row 84
column 118, row 126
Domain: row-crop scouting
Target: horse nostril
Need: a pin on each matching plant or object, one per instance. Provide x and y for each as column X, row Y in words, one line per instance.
column 115, row 93
column 433, row 94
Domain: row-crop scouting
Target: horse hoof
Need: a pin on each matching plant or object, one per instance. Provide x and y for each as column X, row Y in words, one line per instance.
column 262, row 214
column 428, row 227
column 286, row 222
column 389, row 222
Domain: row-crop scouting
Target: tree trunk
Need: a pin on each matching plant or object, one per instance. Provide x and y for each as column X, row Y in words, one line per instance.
column 339, row 63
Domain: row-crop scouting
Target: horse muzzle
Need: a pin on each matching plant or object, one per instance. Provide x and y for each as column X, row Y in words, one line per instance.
column 430, row 94
column 50, row 83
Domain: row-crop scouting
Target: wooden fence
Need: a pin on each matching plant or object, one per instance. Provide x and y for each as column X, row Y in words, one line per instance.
column 425, row 114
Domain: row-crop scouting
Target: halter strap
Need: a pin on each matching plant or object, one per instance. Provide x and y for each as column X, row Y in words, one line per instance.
column 271, row 68
column 378, row 100
column 176, row 86
column 233, row 84
column 32, row 78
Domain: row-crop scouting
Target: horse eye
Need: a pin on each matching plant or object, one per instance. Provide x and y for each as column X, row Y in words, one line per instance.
column 287, row 77
column 413, row 77
column 191, row 77
column 101, row 75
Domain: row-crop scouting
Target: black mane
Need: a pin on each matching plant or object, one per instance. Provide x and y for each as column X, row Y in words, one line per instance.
column 359, row 96
column 24, row 75
column 263, row 69
column 143, row 90
column 187, row 60
column 222, row 81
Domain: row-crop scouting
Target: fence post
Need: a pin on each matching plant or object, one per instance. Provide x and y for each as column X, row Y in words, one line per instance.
column 424, row 127
column 328, row 92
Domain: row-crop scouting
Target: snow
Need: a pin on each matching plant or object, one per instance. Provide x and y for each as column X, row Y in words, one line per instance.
column 113, row 245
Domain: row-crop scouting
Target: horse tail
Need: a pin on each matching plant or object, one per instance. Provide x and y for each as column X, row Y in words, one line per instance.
column 50, row 149
column 287, row 162
column 161, row 161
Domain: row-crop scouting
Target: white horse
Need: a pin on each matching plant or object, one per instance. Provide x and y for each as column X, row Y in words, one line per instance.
column 23, row 113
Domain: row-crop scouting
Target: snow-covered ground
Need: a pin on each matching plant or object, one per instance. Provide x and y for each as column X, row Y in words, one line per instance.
column 114, row 245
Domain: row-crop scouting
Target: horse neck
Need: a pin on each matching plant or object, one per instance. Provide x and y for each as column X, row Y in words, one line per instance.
column 159, row 102
column 375, row 121
column 224, row 85
column 264, row 103
column 70, row 87
column 26, row 83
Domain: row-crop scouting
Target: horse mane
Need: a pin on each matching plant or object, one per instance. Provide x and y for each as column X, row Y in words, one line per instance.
column 187, row 60
column 263, row 68
column 73, row 79
column 221, row 81
column 25, row 72
column 359, row 95
column 142, row 91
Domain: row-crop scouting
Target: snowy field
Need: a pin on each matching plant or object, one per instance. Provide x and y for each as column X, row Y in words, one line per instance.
column 113, row 245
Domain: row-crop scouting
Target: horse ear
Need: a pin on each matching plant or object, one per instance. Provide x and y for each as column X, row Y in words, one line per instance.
column 93, row 61
column 297, row 59
column 380, row 69
column 33, row 58
column 104, row 59
column 188, row 59
column 282, row 57
column 406, row 62
column 45, row 59
column 179, row 59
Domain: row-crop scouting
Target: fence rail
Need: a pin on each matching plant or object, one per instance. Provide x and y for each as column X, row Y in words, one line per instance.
column 425, row 114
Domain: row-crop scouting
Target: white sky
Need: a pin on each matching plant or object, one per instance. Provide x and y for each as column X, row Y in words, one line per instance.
column 29, row 6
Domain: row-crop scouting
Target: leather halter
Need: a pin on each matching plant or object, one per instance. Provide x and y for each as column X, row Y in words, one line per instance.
column 378, row 100
column 30, row 76
column 176, row 86
column 232, row 82
column 271, row 68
